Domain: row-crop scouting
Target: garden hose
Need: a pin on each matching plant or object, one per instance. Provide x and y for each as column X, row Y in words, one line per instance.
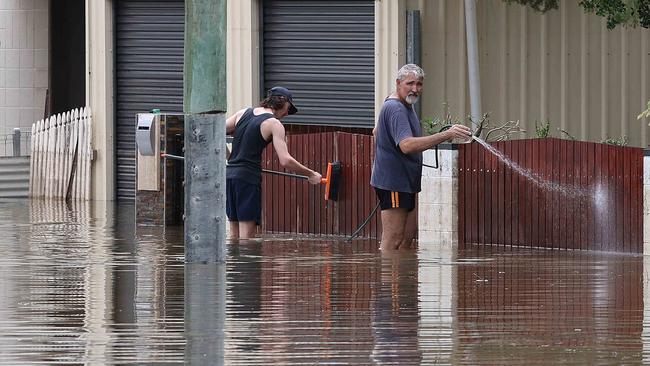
column 367, row 220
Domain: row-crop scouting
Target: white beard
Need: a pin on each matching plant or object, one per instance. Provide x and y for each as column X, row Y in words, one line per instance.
column 412, row 99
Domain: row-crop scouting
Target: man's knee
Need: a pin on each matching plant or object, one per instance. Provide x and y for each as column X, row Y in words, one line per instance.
column 392, row 239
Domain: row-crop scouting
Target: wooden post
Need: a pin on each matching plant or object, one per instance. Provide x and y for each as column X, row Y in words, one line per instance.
column 205, row 132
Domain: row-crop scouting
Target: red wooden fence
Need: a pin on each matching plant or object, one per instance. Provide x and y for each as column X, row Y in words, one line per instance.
column 291, row 205
column 602, row 210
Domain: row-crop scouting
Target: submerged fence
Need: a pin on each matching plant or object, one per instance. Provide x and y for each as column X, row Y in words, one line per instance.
column 294, row 206
column 580, row 195
column 61, row 155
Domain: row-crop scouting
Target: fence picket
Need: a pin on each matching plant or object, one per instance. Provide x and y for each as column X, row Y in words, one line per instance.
column 48, row 156
column 57, row 155
column 38, row 159
column 63, row 155
column 32, row 159
column 72, row 151
column 79, row 154
column 43, row 157
column 66, row 154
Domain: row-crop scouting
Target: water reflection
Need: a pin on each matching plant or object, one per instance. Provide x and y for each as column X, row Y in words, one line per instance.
column 549, row 307
column 205, row 313
column 83, row 284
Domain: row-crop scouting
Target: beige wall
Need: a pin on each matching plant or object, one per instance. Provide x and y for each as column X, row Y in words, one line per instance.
column 23, row 65
column 390, row 46
column 99, row 94
column 564, row 66
column 243, row 53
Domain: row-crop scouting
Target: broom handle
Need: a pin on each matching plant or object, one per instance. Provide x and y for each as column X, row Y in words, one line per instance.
column 176, row 157
column 285, row 174
column 322, row 180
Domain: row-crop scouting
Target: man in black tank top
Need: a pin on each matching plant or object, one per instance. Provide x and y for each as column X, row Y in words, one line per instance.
column 252, row 129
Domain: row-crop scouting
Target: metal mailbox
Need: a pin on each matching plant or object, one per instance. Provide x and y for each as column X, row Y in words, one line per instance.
column 145, row 135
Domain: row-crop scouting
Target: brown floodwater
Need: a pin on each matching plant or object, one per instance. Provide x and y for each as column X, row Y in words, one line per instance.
column 82, row 285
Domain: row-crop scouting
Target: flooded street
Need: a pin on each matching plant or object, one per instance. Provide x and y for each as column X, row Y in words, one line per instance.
column 83, row 285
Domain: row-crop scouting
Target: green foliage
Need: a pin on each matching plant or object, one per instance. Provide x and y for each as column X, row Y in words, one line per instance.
column 620, row 12
column 431, row 125
column 483, row 127
column 630, row 13
column 543, row 130
column 539, row 5
column 621, row 141
column 646, row 113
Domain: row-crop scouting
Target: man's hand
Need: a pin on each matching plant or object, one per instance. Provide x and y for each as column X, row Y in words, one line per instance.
column 315, row 178
column 459, row 131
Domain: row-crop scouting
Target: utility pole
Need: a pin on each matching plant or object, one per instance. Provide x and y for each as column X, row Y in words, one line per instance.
column 204, row 103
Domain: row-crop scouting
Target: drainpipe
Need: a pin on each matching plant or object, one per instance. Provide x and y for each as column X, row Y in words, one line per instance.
column 413, row 45
column 473, row 63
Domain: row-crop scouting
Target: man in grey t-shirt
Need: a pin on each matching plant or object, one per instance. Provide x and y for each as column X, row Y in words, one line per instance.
column 397, row 169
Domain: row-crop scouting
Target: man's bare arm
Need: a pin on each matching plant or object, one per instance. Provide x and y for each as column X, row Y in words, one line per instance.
column 411, row 145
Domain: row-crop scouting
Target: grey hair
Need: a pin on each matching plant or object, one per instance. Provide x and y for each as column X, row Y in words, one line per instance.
column 410, row 69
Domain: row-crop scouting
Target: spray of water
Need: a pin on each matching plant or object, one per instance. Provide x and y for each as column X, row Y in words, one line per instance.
column 574, row 192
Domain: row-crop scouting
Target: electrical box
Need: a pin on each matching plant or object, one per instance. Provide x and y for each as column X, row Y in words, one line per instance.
column 145, row 135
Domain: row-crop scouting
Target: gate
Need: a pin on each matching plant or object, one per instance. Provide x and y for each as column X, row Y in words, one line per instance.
column 582, row 195
column 291, row 205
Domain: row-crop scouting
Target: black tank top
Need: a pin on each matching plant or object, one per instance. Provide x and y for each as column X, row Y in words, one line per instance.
column 245, row 161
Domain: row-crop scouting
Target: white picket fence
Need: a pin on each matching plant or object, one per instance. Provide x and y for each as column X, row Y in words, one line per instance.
column 61, row 155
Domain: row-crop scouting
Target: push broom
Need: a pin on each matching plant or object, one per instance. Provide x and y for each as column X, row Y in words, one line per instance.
column 331, row 181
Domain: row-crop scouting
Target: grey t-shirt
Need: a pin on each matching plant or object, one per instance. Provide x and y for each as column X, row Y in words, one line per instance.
column 392, row 169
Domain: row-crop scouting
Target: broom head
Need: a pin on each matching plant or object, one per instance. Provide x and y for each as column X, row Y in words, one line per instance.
column 332, row 181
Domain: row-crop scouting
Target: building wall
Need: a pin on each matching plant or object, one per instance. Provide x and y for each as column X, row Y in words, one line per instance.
column 390, row 47
column 563, row 66
column 243, row 55
column 23, row 64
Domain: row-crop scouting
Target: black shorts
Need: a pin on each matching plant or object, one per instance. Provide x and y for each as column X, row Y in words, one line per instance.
column 243, row 201
column 389, row 199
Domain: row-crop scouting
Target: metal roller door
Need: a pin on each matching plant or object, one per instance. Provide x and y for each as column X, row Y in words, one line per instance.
column 149, row 73
column 324, row 52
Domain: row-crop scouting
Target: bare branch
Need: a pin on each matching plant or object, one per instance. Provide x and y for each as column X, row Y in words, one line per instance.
column 503, row 132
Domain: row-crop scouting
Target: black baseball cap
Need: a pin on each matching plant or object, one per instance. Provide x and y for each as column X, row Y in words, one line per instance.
column 284, row 92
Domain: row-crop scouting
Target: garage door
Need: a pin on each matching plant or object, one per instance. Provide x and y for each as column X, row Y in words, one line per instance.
column 149, row 73
column 324, row 52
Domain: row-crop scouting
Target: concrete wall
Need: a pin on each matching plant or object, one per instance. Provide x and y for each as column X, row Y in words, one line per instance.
column 646, row 202
column 438, row 200
column 23, row 64
column 564, row 66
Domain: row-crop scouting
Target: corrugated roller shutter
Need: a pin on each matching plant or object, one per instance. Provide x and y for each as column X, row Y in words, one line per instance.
column 149, row 70
column 324, row 52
